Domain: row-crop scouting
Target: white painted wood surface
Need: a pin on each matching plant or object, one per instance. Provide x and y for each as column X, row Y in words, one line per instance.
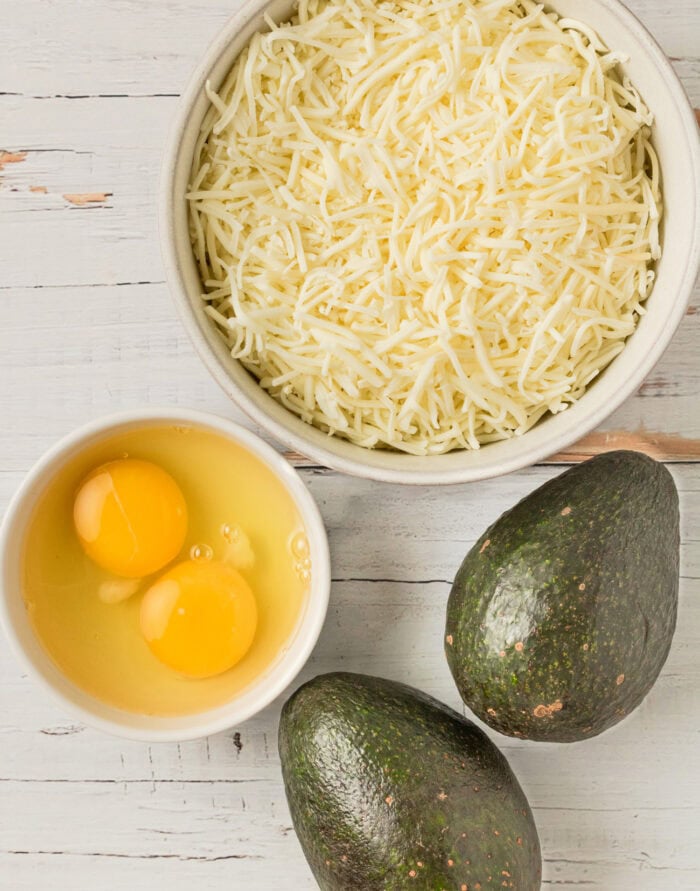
column 87, row 92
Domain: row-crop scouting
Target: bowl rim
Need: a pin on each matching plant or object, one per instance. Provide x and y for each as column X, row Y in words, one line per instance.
column 292, row 434
column 282, row 671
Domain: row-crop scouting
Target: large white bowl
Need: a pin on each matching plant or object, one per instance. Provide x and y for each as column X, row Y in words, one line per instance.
column 83, row 706
column 675, row 137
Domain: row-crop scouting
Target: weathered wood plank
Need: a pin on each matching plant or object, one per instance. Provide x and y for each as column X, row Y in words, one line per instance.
column 130, row 339
column 662, row 446
column 95, row 145
column 124, row 47
column 182, row 832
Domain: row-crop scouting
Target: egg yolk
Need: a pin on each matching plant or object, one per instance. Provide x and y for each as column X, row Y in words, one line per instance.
column 199, row 618
column 130, row 517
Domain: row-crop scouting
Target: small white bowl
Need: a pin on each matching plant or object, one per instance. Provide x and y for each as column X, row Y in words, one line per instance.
column 675, row 136
column 83, row 706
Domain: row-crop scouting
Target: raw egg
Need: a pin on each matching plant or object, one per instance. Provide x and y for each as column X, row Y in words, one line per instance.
column 132, row 620
column 199, row 618
column 130, row 517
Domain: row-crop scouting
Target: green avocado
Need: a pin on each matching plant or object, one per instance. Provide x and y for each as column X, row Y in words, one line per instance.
column 562, row 614
column 389, row 789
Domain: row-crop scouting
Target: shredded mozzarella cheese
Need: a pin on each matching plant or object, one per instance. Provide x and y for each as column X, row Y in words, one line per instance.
column 424, row 224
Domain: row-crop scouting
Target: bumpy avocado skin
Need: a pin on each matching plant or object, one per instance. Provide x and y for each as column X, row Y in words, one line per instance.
column 389, row 789
column 562, row 615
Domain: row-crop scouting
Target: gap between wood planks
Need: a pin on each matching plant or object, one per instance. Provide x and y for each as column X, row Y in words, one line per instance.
column 666, row 447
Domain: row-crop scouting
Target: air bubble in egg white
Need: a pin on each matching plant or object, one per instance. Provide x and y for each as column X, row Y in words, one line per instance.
column 303, row 570
column 201, row 552
column 230, row 533
column 299, row 545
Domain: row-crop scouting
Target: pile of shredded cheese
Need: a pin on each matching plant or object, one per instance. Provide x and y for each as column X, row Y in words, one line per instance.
column 423, row 224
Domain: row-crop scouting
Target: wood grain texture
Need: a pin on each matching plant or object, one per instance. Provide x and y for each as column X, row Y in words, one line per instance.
column 661, row 446
column 87, row 48
column 88, row 90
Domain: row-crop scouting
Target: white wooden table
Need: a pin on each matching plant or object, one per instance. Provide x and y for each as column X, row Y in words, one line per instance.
column 87, row 92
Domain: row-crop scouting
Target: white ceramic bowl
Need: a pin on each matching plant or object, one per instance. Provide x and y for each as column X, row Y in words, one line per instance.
column 84, row 707
column 675, row 137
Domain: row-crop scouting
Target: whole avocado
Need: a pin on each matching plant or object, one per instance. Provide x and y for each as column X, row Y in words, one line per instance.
column 562, row 614
column 389, row 789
